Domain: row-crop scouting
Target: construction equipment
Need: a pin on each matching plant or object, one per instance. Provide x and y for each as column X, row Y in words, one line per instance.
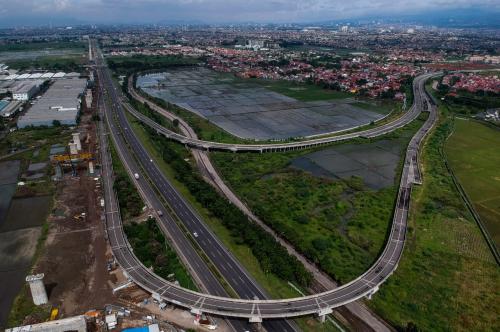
column 53, row 313
column 71, row 157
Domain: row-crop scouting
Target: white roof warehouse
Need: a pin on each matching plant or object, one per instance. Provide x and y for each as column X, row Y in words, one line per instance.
column 61, row 103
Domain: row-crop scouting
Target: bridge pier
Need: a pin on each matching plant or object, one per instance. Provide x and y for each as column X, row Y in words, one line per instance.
column 322, row 314
column 374, row 290
column 196, row 312
column 256, row 322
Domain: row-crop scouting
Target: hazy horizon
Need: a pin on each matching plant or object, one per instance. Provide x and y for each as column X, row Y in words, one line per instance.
column 43, row 12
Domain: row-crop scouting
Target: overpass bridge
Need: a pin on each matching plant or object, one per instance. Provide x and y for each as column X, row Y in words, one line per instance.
column 319, row 304
column 401, row 121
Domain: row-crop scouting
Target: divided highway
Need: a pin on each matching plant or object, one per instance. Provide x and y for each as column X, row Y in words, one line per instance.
column 236, row 276
column 255, row 310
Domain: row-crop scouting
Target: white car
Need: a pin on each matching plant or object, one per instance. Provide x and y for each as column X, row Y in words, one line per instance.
column 195, row 234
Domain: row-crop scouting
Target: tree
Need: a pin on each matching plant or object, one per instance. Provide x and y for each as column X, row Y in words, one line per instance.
column 175, row 122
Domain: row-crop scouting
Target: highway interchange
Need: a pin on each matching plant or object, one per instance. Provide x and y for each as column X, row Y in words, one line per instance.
column 247, row 307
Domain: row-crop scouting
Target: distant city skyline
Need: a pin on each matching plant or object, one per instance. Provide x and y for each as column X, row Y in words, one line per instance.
column 37, row 12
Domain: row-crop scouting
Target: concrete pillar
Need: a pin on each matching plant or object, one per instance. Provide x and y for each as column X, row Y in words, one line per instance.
column 322, row 314
column 256, row 322
column 72, row 148
column 37, row 289
column 76, row 140
column 374, row 290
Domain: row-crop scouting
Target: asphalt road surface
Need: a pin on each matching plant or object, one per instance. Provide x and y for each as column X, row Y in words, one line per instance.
column 321, row 303
column 233, row 272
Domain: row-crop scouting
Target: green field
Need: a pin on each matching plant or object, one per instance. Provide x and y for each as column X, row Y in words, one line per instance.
column 56, row 56
column 300, row 91
column 40, row 46
column 473, row 152
column 152, row 249
column 339, row 224
column 123, row 65
column 67, row 63
column 274, row 286
column 447, row 279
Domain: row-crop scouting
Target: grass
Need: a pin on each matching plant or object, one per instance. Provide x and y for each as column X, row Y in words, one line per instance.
column 274, row 286
column 41, row 139
column 147, row 240
column 67, row 63
column 153, row 250
column 339, row 224
column 242, row 252
column 125, row 65
column 473, row 154
column 447, row 279
column 38, row 46
column 23, row 306
column 299, row 91
column 130, row 202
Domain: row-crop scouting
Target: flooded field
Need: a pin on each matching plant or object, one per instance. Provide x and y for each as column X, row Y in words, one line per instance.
column 375, row 163
column 249, row 110
column 9, row 171
column 18, row 217
column 19, row 234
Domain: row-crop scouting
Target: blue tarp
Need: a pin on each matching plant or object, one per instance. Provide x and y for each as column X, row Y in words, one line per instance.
column 137, row 329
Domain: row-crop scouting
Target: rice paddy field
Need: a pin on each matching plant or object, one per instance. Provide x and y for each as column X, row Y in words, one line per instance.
column 251, row 110
column 333, row 204
column 473, row 152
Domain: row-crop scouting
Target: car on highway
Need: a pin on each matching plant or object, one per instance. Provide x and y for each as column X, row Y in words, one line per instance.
column 195, row 234
column 136, row 175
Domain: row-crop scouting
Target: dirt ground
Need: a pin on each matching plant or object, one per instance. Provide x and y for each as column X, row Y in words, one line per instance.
column 75, row 255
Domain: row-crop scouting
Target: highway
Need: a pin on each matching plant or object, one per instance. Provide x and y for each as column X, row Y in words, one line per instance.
column 255, row 310
column 237, row 277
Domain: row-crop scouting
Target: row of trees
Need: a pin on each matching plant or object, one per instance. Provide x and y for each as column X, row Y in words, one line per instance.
column 127, row 65
column 152, row 249
column 273, row 258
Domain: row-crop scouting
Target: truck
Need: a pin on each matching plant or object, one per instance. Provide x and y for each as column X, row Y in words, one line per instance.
column 136, row 175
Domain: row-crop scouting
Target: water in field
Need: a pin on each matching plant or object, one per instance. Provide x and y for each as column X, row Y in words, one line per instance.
column 250, row 110
column 376, row 163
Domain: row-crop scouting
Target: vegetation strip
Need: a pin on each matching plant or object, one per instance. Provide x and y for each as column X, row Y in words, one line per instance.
column 149, row 244
column 445, row 279
column 272, row 257
column 467, row 200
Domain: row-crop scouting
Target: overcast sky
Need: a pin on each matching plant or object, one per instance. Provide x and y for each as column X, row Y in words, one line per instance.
column 22, row 12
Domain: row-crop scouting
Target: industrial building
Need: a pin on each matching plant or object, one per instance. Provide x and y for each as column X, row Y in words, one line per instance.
column 60, row 103
column 9, row 108
column 24, row 90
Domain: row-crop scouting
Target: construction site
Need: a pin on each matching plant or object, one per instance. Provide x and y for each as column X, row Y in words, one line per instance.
column 74, row 283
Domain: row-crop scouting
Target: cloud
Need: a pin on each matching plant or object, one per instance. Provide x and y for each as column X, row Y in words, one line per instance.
column 141, row 11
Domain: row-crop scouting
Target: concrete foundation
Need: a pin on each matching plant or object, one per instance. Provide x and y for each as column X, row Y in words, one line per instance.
column 76, row 324
column 37, row 288
column 76, row 141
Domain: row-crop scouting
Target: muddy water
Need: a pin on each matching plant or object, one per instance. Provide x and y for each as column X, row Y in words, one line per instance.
column 20, row 228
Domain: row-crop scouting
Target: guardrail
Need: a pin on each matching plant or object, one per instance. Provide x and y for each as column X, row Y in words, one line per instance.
column 320, row 304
